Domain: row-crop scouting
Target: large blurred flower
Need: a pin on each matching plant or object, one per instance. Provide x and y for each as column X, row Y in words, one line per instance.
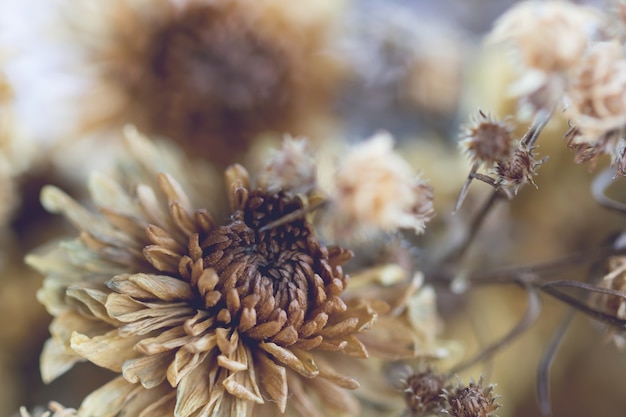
column 202, row 315
column 213, row 75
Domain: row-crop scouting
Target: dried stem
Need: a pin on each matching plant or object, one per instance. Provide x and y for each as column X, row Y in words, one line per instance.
column 541, row 120
column 543, row 371
column 598, row 188
column 529, row 317
column 456, row 253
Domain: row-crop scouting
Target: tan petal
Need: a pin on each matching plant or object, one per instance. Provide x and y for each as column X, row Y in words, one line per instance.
column 273, row 379
column 300, row 399
column 151, row 206
column 182, row 219
column 121, row 284
column 108, row 400
column 108, row 351
column 162, row 259
column 167, row 340
column 298, row 360
column 94, row 301
column 161, row 238
column 141, row 401
column 105, row 192
column 149, row 370
column 161, row 407
column 56, row 360
column 174, row 192
column 194, row 390
column 242, row 384
column 163, row 287
column 184, row 362
column 335, row 397
column 56, row 201
column 340, row 329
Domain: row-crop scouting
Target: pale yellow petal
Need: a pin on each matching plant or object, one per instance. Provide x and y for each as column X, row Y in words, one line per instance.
column 56, row 360
column 298, row 360
column 108, row 350
column 108, row 400
column 149, row 370
column 273, row 379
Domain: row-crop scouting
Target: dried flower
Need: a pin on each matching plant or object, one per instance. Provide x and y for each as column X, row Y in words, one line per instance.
column 375, row 189
column 519, row 169
column 200, row 317
column 612, row 304
column 422, row 392
column 487, row 140
column 550, row 38
column 292, row 168
column 212, row 75
column 470, row 401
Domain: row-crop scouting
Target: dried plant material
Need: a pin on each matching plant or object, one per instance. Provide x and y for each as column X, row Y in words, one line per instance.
column 471, row 401
column 376, row 190
column 487, row 140
column 211, row 75
column 292, row 168
column 212, row 317
column 54, row 410
column 422, row 391
column 611, row 304
column 597, row 105
column 550, row 38
column 519, row 169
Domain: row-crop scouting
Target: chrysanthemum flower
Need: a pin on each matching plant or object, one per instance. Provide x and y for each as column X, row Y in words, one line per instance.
column 375, row 189
column 550, row 38
column 201, row 315
column 211, row 75
column 597, row 105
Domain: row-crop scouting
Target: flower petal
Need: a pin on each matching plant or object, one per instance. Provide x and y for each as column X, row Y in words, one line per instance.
column 109, row 350
column 298, row 360
column 149, row 370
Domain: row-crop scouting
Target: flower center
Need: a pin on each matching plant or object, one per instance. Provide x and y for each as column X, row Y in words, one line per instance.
column 273, row 283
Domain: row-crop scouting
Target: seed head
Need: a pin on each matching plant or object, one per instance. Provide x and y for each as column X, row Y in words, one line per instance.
column 422, row 392
column 470, row 401
column 487, row 140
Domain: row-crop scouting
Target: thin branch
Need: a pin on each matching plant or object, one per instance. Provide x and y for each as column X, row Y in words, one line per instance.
column 541, row 120
column 287, row 218
column 457, row 252
column 465, row 188
column 600, row 183
column 529, row 317
column 545, row 365
column 584, row 308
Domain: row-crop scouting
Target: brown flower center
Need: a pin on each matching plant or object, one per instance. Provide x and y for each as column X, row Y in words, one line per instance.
column 212, row 75
column 278, row 284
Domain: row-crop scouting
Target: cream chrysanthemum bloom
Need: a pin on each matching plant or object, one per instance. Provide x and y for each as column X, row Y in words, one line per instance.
column 375, row 189
column 596, row 105
column 550, row 37
column 201, row 315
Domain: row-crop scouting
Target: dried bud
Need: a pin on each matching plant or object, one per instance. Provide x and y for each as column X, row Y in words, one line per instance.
column 292, row 168
column 519, row 169
column 470, row 401
column 376, row 189
column 422, row 392
column 487, row 140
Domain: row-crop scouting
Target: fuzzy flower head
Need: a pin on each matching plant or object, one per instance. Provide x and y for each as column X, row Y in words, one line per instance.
column 597, row 106
column 213, row 75
column 422, row 391
column 550, row 38
column 519, row 169
column 201, row 315
column 376, row 189
column 471, row 401
column 487, row 140
column 293, row 167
